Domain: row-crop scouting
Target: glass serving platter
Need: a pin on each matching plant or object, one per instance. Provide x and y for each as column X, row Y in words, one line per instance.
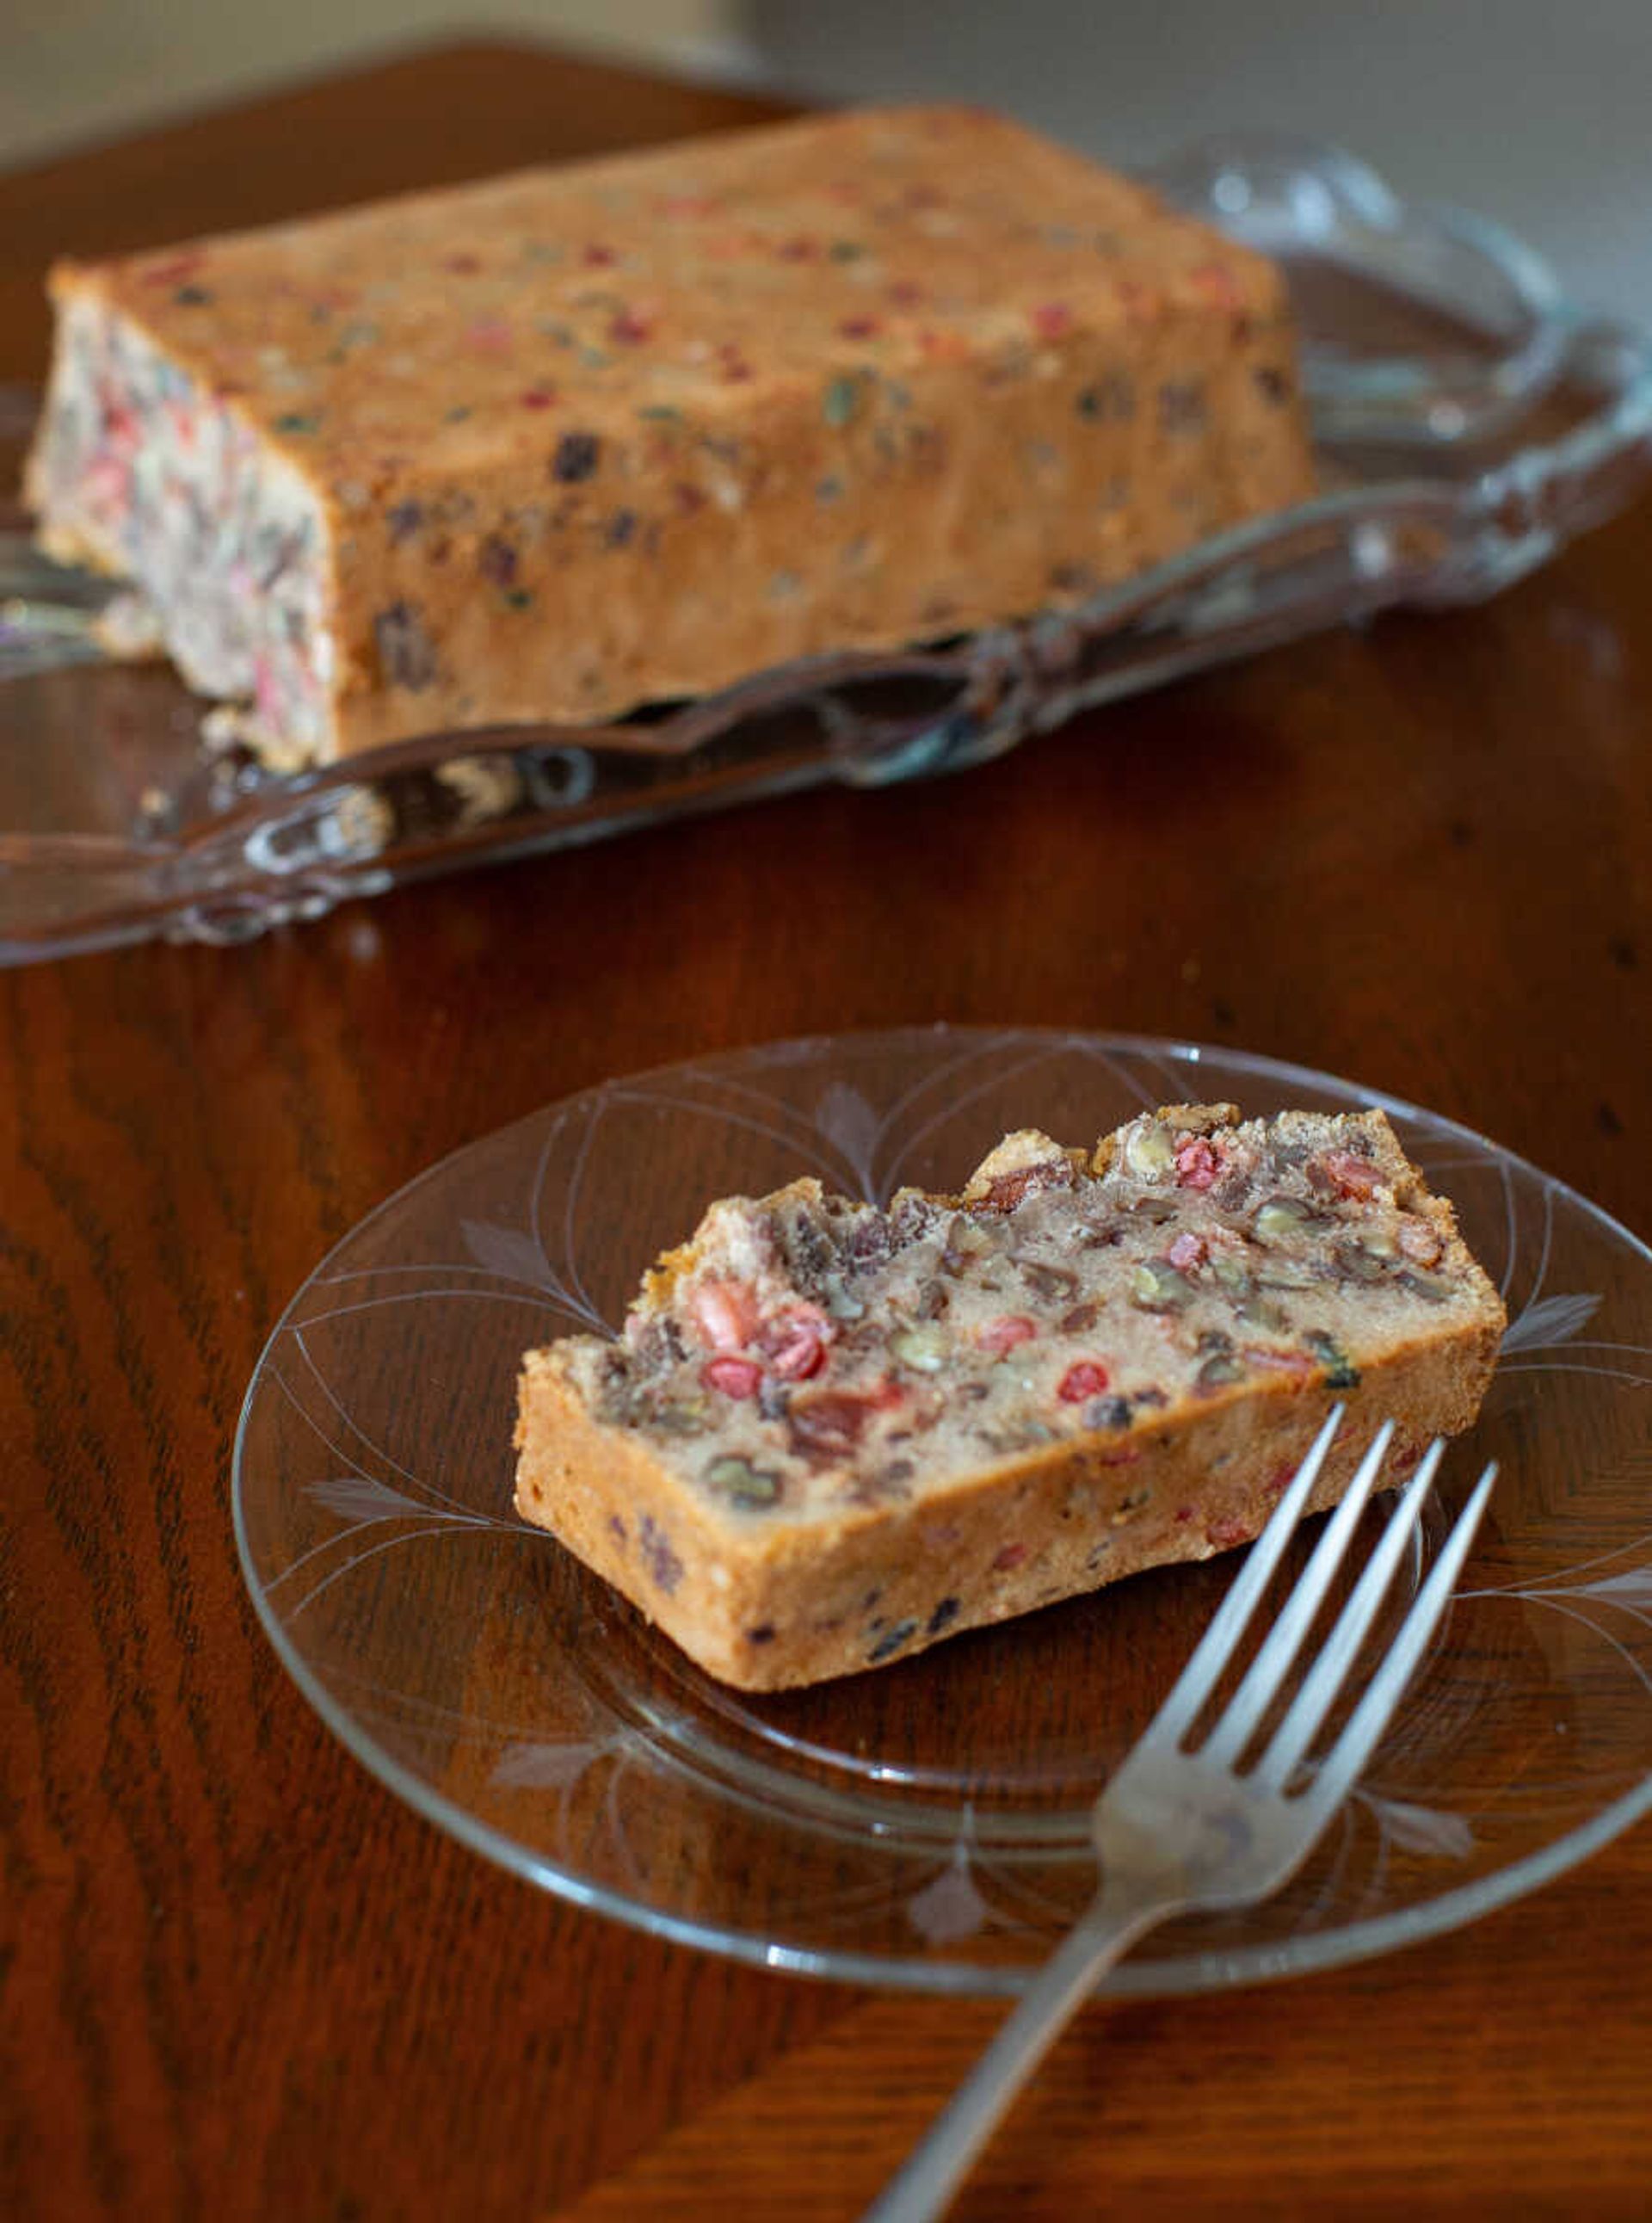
column 1468, row 422
column 925, row 1823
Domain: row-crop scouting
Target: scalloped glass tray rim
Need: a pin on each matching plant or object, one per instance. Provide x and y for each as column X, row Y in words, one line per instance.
column 245, row 854
column 1198, row 1069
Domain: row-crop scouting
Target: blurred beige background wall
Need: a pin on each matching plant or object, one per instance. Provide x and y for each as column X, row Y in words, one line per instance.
column 1528, row 110
column 1538, row 112
column 73, row 69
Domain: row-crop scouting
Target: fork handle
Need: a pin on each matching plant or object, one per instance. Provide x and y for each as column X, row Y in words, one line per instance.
column 924, row 2185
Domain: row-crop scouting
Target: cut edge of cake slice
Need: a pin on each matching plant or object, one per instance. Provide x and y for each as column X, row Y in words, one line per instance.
column 799, row 1461
column 143, row 472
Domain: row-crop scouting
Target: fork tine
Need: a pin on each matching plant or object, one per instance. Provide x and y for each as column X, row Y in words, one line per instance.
column 1251, row 1701
column 1194, row 1684
column 1318, row 1693
column 1354, row 1747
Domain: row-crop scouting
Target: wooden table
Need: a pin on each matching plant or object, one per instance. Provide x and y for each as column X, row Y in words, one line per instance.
column 235, row 1976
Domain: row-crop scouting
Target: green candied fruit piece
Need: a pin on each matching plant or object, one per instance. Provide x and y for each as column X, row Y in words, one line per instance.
column 684, row 1417
column 753, row 1489
column 1158, row 1287
column 1218, row 1373
column 1341, row 1372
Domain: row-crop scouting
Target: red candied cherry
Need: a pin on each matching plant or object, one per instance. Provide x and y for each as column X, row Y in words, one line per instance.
column 1006, row 1333
column 121, row 426
column 1225, row 1533
column 174, row 270
column 1197, row 1164
column 1085, row 1377
column 1218, row 283
column 1347, row 1173
column 1420, row 1241
column 1187, row 1250
column 796, row 1343
column 725, row 1314
column 1263, row 1355
column 829, row 1425
column 734, row 1378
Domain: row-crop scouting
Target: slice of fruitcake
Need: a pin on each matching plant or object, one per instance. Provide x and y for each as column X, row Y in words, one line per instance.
column 830, row 1434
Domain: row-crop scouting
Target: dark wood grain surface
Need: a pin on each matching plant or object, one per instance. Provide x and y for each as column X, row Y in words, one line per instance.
column 236, row 1978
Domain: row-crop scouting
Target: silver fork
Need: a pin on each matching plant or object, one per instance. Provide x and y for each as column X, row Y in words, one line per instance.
column 1178, row 1829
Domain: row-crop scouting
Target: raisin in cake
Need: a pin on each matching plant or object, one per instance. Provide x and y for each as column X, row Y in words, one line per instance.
column 579, row 438
column 830, row 1434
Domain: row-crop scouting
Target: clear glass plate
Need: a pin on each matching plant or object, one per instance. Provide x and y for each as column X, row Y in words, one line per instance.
column 1468, row 424
column 923, row 1823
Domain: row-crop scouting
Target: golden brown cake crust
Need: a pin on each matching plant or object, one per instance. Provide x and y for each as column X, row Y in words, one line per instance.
column 587, row 436
column 1024, row 1533
column 764, row 1600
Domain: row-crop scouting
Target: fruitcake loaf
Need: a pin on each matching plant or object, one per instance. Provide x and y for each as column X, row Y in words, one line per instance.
column 580, row 439
column 830, row 1434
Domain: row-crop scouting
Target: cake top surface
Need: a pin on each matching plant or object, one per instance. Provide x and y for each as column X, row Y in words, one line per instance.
column 623, row 295
column 805, row 1354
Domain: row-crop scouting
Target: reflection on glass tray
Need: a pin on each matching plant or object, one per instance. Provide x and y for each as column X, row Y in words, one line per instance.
column 1468, row 422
